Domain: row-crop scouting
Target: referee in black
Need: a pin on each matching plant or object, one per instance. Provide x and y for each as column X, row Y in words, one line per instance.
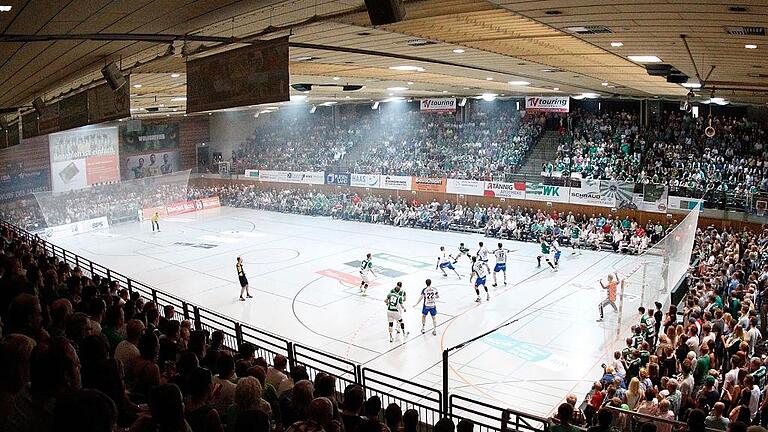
column 243, row 279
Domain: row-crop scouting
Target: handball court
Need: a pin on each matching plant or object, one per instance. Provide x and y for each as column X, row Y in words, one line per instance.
column 303, row 273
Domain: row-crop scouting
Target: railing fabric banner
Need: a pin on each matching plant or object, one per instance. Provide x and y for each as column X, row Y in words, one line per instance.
column 542, row 192
column 395, row 182
column 365, row 180
column 182, row 207
column 591, row 193
column 547, row 103
column 302, row 177
column 505, row 190
column 438, row 105
column 252, row 75
column 465, row 187
column 428, row 184
column 684, row 203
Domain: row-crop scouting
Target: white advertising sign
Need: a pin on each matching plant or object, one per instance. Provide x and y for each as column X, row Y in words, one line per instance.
column 504, row 190
column 303, row 177
column 365, row 180
column 547, row 103
column 542, row 192
column 465, row 187
column 75, row 228
column 684, row 203
column 438, row 104
column 590, row 193
column 395, row 182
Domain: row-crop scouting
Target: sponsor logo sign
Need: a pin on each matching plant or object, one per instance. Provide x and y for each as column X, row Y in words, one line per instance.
column 339, row 179
column 252, row 174
column 428, row 184
column 365, row 180
column 75, row 228
column 547, row 103
column 465, row 187
column 303, row 177
column 542, row 192
column 590, row 193
column 395, row 182
column 183, row 207
column 438, row 104
column 504, row 190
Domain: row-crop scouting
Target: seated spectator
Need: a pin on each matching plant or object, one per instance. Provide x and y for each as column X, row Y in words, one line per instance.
column 247, row 397
column 85, row 411
column 276, row 373
column 393, row 417
column 166, row 406
column 294, row 403
column 251, row 421
column 563, row 421
column 127, row 351
column 224, row 380
column 354, row 397
column 200, row 414
column 146, row 372
column 319, row 418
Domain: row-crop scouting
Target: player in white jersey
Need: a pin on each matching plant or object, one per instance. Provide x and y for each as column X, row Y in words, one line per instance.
column 556, row 247
column 479, row 272
column 366, row 273
column 395, row 302
column 482, row 255
column 429, row 296
column 444, row 262
column 501, row 263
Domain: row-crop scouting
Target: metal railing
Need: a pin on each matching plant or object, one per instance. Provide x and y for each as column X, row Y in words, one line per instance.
column 429, row 402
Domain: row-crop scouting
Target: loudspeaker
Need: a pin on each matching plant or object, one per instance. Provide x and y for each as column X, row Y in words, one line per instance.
column 677, row 78
column 39, row 106
column 114, row 77
column 302, row 87
column 658, row 69
column 385, row 11
column 351, row 87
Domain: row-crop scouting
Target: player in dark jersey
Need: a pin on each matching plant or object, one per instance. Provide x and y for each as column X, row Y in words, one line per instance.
column 243, row 279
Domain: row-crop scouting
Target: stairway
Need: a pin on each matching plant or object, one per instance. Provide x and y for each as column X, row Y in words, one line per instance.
column 543, row 151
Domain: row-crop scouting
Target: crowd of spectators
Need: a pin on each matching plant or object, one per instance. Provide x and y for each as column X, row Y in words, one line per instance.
column 675, row 152
column 82, row 353
column 705, row 364
column 397, row 142
column 595, row 231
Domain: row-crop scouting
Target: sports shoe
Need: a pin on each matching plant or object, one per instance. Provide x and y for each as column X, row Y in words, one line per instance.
column 494, row 285
column 405, row 335
column 477, row 300
column 242, row 299
column 391, row 339
column 434, row 332
column 487, row 297
column 445, row 275
column 249, row 296
column 398, row 331
column 505, row 282
column 365, row 294
column 599, row 320
column 422, row 330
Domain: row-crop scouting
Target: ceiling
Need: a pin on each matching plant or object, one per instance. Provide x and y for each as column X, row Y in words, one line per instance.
column 498, row 41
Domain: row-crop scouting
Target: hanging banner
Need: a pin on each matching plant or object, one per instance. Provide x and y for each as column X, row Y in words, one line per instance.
column 542, row 192
column 365, row 180
column 252, row 75
column 590, row 193
column 150, row 164
column 653, row 198
column 547, row 103
column 395, row 182
column 438, row 105
column 428, row 184
column 505, row 190
column 465, row 187
column 303, row 177
column 83, row 157
column 105, row 104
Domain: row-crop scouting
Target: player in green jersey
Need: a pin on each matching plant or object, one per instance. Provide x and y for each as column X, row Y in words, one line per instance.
column 545, row 252
column 366, row 271
column 463, row 250
column 395, row 302
column 575, row 239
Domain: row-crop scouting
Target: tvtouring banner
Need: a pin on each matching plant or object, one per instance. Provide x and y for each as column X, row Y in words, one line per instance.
column 547, row 103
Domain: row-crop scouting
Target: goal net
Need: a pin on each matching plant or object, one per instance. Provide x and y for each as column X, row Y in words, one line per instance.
column 652, row 275
column 117, row 202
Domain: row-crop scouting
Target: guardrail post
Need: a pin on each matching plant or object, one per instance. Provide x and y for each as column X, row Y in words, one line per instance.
column 64, row 255
column 154, row 297
column 359, row 374
column 196, row 312
column 291, row 356
column 91, row 266
column 445, row 384
column 130, row 286
column 77, row 262
column 239, row 335
column 505, row 421
column 109, row 275
column 185, row 310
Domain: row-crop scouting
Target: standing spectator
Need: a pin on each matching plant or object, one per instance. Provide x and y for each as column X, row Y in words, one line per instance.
column 276, row 372
column 716, row 420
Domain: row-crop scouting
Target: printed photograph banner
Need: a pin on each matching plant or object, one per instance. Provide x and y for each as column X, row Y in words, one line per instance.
column 653, row 199
column 542, row 192
column 590, row 193
column 396, row 182
column 504, row 190
column 151, row 137
column 428, row 184
column 365, row 180
column 150, row 165
column 83, row 157
column 466, row 187
column 547, row 103
column 302, row 177
column 252, row 75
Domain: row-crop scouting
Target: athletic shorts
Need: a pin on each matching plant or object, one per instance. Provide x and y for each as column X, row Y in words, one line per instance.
column 243, row 281
column 447, row 265
column 479, row 281
column 500, row 267
column 393, row 316
column 429, row 310
column 557, row 255
column 365, row 277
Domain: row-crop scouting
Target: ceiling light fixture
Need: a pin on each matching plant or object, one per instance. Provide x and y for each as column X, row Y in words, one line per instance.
column 298, row 98
column 393, row 89
column 410, row 83
column 691, row 85
column 617, row 44
column 489, row 78
column 407, row 68
column 556, row 88
column 336, row 78
column 304, row 58
column 644, row 58
column 179, row 99
column 605, row 84
column 488, row 97
column 175, row 75
column 750, row 46
column 137, row 86
column 518, row 83
column 445, row 91
column 458, row 51
column 4, row 8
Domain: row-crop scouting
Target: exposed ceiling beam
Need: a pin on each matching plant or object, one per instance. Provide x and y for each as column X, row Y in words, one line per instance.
column 131, row 37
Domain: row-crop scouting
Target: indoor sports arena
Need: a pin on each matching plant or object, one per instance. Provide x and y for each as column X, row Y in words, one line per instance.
column 383, row 216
